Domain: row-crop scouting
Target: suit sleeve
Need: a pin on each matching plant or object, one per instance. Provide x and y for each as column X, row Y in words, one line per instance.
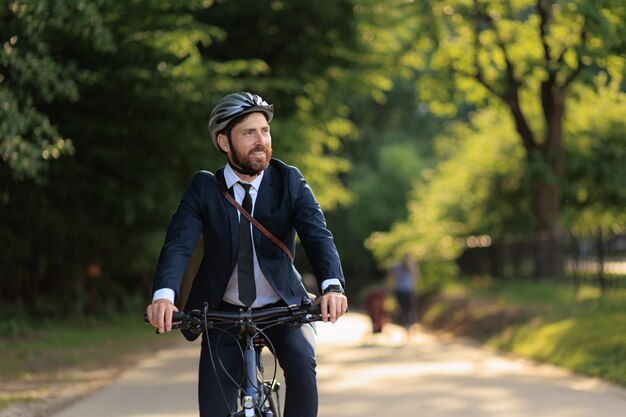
column 312, row 230
column 182, row 235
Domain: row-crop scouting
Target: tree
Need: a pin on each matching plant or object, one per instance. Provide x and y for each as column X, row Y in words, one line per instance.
column 307, row 78
column 473, row 189
column 131, row 95
column 524, row 54
column 477, row 186
column 114, row 80
column 31, row 76
column 595, row 190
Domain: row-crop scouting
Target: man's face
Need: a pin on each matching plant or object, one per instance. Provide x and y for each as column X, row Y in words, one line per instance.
column 252, row 143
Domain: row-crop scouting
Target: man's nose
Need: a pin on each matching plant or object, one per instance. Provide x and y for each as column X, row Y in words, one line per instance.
column 259, row 137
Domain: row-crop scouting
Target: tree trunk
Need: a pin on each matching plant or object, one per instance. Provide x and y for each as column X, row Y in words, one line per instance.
column 546, row 186
column 546, row 203
column 545, row 161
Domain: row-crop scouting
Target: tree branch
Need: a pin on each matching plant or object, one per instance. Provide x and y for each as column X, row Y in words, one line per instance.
column 544, row 14
column 511, row 94
column 580, row 65
column 478, row 70
column 512, row 84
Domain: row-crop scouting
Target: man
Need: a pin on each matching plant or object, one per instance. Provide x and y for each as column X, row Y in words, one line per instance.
column 241, row 267
column 402, row 278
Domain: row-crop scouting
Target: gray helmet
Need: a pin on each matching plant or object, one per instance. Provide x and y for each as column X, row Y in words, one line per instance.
column 234, row 105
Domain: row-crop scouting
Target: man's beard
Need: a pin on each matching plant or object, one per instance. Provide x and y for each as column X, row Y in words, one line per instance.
column 248, row 164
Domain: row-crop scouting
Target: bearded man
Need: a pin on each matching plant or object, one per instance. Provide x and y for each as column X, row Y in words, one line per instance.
column 241, row 267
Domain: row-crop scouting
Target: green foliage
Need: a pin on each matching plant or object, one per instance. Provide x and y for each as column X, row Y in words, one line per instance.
column 393, row 146
column 479, row 184
column 99, row 208
column 473, row 51
column 124, row 89
column 595, row 193
column 33, row 74
column 379, row 205
column 509, row 65
column 104, row 106
column 526, row 55
column 471, row 190
column 436, row 274
column 380, row 191
column 307, row 79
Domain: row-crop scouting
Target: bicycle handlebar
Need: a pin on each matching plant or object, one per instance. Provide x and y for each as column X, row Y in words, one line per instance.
column 196, row 320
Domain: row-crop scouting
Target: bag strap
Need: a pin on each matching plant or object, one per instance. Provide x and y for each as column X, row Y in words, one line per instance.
column 258, row 225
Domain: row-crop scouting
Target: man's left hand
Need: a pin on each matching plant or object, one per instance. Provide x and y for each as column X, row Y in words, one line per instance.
column 333, row 305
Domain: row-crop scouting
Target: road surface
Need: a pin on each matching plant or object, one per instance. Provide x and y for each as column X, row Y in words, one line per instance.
column 383, row 376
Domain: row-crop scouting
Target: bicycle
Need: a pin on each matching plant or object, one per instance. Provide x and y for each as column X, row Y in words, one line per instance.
column 259, row 397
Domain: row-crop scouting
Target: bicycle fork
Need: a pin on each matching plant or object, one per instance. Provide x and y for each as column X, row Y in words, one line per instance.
column 252, row 395
column 249, row 400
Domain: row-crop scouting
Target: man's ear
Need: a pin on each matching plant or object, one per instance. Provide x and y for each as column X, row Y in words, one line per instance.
column 222, row 142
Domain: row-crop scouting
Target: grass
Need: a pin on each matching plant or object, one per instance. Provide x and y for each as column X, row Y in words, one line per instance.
column 592, row 344
column 4, row 402
column 41, row 358
column 59, row 344
column 578, row 329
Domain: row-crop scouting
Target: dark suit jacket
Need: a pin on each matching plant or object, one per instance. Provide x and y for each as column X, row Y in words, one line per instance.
column 285, row 205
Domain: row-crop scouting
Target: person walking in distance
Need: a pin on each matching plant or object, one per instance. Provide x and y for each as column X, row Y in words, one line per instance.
column 402, row 279
column 241, row 267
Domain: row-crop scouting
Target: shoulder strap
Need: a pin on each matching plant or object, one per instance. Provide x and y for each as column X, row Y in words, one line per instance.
column 258, row 225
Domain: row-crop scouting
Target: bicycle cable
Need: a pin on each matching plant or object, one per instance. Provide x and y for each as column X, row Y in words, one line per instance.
column 239, row 384
column 219, row 383
column 270, row 346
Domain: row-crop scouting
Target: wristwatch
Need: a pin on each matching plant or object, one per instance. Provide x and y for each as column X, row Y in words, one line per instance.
column 334, row 288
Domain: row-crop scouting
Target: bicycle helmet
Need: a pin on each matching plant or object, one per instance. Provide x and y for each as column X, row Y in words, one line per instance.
column 234, row 105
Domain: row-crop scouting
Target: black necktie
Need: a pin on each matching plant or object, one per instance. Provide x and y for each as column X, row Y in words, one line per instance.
column 247, row 288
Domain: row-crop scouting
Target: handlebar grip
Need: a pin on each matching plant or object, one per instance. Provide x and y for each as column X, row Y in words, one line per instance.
column 315, row 309
column 176, row 316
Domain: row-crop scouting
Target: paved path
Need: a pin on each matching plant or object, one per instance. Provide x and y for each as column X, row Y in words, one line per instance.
column 383, row 376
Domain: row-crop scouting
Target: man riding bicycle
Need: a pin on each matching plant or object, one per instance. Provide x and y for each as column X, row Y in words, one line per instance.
column 242, row 266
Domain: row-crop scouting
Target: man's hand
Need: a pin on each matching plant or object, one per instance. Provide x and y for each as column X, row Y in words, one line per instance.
column 160, row 314
column 333, row 305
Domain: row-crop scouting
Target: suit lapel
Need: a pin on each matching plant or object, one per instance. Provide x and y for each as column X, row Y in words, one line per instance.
column 233, row 217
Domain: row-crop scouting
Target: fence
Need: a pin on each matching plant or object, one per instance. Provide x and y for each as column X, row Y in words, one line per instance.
column 597, row 260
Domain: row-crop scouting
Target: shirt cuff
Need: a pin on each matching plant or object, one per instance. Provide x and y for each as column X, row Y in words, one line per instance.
column 330, row 281
column 164, row 293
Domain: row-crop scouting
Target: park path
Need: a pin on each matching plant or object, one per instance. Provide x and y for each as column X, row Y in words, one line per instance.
column 383, row 376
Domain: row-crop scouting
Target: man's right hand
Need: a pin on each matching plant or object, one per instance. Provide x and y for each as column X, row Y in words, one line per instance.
column 160, row 314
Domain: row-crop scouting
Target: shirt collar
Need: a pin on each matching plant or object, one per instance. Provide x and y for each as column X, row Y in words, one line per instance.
column 231, row 178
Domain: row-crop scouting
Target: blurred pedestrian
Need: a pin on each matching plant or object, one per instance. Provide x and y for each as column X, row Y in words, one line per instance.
column 402, row 280
column 374, row 305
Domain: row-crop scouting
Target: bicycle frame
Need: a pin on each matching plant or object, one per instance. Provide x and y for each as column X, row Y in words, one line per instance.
column 255, row 394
